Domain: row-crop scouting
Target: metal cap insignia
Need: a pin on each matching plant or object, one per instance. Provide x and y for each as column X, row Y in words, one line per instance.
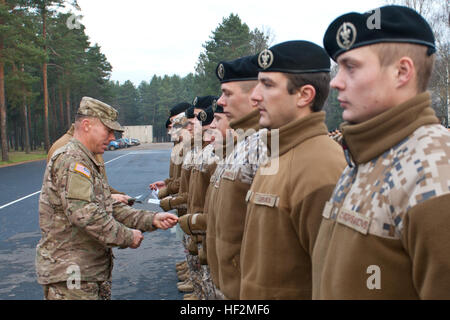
column 194, row 103
column 202, row 115
column 214, row 105
column 346, row 35
column 221, row 71
column 265, row 59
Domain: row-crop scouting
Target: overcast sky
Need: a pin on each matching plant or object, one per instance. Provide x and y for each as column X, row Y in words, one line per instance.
column 141, row 38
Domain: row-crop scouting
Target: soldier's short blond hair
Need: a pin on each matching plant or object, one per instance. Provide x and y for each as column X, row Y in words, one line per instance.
column 389, row 53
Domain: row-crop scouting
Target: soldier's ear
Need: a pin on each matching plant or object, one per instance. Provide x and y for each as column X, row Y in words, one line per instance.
column 305, row 95
column 86, row 124
column 405, row 71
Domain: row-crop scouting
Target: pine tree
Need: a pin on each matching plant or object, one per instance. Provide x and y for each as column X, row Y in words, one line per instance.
column 232, row 39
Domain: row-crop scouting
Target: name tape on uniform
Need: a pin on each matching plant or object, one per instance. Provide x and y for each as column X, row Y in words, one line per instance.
column 269, row 200
column 354, row 220
column 229, row 174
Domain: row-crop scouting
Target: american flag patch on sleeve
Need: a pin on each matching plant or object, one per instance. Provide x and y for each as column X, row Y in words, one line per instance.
column 82, row 169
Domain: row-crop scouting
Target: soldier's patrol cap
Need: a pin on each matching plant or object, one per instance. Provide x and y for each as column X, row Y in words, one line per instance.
column 203, row 102
column 179, row 108
column 206, row 116
column 395, row 24
column 295, row 56
column 94, row 108
column 242, row 69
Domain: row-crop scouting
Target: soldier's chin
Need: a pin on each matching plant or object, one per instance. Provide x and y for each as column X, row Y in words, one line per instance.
column 264, row 122
column 102, row 149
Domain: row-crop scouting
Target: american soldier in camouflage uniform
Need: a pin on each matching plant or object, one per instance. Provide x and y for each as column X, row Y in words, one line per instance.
column 80, row 222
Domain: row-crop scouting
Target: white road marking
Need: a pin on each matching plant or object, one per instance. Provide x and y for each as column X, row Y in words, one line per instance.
column 23, row 198
column 30, row 195
column 117, row 158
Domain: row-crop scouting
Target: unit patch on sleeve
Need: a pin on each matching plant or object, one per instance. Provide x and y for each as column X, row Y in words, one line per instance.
column 82, row 169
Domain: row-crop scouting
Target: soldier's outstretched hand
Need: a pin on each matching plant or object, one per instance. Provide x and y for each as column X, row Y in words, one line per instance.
column 165, row 220
column 137, row 239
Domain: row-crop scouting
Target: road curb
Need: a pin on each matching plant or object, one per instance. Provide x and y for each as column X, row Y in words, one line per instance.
column 17, row 163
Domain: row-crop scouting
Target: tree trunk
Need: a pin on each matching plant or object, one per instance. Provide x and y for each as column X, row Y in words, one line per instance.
column 69, row 122
column 25, row 118
column 44, row 78
column 16, row 136
column 54, row 118
column 3, row 135
column 27, row 128
column 3, row 111
column 62, row 125
column 30, row 130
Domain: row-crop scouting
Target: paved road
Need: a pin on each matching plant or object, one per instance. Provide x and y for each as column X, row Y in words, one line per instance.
column 145, row 273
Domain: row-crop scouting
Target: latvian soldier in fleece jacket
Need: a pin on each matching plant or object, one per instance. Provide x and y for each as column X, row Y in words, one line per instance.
column 288, row 193
column 191, row 272
column 385, row 232
column 176, row 124
column 195, row 223
column 226, row 205
column 171, row 185
column 196, row 197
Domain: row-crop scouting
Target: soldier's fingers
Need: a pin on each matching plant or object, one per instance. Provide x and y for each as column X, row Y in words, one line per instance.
column 171, row 216
column 164, row 225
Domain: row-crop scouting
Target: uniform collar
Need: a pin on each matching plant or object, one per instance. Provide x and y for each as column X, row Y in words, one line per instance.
column 88, row 153
column 298, row 131
column 368, row 140
column 71, row 130
column 249, row 121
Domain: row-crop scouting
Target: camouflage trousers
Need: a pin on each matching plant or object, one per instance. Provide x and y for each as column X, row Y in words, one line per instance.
column 87, row 291
column 194, row 269
column 210, row 291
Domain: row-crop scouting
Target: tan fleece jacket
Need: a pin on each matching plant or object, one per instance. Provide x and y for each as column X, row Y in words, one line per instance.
column 385, row 232
column 284, row 212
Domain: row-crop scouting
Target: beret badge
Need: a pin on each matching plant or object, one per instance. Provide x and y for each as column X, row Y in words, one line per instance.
column 202, row 115
column 214, row 105
column 194, row 103
column 346, row 35
column 265, row 59
column 221, row 71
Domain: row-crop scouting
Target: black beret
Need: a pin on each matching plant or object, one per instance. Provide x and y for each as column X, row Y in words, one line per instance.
column 395, row 24
column 190, row 112
column 242, row 69
column 203, row 102
column 168, row 123
column 294, row 57
column 206, row 116
column 179, row 108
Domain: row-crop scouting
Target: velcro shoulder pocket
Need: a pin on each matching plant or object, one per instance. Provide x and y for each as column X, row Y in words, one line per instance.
column 79, row 187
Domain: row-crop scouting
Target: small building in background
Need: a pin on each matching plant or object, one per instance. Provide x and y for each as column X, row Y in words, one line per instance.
column 143, row 133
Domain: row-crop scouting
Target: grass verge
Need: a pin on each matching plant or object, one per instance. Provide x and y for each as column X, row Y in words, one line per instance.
column 21, row 156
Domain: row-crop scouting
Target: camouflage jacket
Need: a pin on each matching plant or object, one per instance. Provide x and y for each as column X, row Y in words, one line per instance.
column 79, row 220
column 385, row 231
